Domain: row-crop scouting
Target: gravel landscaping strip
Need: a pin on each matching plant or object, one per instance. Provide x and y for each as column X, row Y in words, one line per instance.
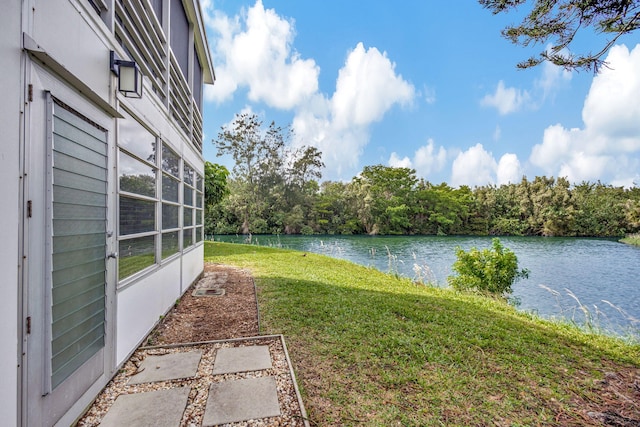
column 291, row 408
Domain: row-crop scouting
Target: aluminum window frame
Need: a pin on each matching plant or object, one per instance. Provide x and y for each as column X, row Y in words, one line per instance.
column 156, row 200
column 165, row 171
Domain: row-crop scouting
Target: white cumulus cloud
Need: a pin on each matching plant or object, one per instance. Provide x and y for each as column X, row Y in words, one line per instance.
column 509, row 100
column 506, row 99
column 612, row 107
column 255, row 51
column 366, row 88
column 476, row 166
column 208, row 12
column 341, row 147
column 509, row 169
column 426, row 160
column 396, row 162
column 607, row 147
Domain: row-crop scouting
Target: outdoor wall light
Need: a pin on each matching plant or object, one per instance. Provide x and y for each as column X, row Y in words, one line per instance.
column 129, row 76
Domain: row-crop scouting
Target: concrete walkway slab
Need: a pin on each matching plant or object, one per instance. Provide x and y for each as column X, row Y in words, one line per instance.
column 241, row 400
column 242, row 359
column 161, row 408
column 167, row 367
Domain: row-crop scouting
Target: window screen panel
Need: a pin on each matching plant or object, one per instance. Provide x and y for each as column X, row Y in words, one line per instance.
column 170, row 243
column 170, row 216
column 136, row 176
column 188, row 175
column 170, row 188
column 136, row 139
column 188, row 217
column 187, row 237
column 136, row 215
column 170, row 161
column 199, row 182
column 135, row 255
column 188, row 195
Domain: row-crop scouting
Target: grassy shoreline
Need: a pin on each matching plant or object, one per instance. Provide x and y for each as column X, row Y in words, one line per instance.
column 372, row 349
column 632, row 239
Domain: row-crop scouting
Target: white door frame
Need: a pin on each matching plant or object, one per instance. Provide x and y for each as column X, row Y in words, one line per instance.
column 40, row 407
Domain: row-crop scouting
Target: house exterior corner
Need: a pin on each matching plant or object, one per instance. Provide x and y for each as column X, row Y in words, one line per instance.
column 102, row 189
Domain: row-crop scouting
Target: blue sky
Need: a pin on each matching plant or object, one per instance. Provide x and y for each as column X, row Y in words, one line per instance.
column 430, row 85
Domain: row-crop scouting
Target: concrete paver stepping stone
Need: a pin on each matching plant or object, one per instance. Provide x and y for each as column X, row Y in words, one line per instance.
column 242, row 359
column 241, row 400
column 167, row 367
column 161, row 408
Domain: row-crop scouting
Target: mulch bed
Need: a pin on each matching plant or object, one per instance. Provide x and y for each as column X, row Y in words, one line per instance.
column 207, row 318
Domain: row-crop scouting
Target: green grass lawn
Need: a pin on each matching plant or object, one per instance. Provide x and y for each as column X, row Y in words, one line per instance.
column 370, row 349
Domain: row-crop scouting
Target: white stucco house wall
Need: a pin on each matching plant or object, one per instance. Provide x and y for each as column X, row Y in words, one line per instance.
column 101, row 190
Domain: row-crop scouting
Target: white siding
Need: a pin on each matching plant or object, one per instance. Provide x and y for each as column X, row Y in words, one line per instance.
column 141, row 304
column 192, row 265
column 82, row 49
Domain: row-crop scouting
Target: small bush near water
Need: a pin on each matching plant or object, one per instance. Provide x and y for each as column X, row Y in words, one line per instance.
column 491, row 271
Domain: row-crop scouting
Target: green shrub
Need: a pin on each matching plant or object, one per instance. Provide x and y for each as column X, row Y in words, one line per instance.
column 491, row 271
column 306, row 230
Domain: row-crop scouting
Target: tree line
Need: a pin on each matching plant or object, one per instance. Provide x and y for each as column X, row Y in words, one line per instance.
column 274, row 189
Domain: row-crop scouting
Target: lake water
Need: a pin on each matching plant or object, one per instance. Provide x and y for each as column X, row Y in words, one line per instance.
column 602, row 275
